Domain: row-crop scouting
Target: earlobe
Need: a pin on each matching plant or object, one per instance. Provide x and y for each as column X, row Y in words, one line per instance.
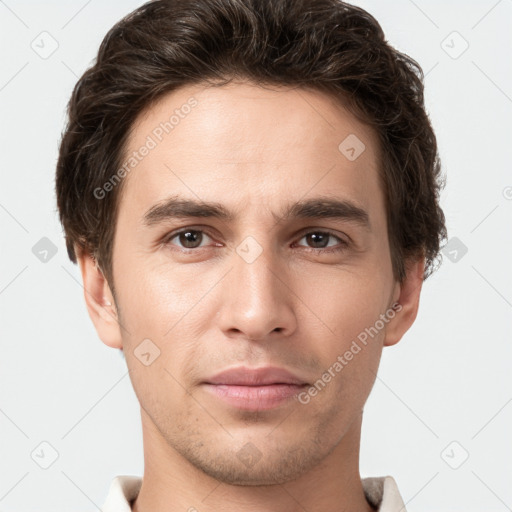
column 406, row 298
column 99, row 301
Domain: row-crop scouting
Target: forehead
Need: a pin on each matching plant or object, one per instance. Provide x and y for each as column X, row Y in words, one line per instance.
column 251, row 148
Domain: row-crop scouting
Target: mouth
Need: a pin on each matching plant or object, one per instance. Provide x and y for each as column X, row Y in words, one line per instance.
column 255, row 389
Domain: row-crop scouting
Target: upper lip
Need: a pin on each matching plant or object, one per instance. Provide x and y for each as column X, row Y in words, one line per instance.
column 244, row 376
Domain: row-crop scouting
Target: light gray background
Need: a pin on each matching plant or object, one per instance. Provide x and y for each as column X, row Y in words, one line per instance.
column 447, row 380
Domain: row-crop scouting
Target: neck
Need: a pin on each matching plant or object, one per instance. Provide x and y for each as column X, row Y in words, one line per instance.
column 171, row 483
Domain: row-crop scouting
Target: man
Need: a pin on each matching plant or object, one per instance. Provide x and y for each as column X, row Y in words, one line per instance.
column 250, row 188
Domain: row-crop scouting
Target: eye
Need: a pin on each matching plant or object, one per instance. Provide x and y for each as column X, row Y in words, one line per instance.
column 320, row 241
column 188, row 238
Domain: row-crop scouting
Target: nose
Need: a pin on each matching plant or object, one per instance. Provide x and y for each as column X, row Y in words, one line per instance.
column 258, row 302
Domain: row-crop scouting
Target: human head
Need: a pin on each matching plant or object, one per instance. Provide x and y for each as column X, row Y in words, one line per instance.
column 274, row 87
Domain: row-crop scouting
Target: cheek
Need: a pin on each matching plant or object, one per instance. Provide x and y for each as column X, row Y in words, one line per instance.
column 344, row 302
column 154, row 297
column 349, row 330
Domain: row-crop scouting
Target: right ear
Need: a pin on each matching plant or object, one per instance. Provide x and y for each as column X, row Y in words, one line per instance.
column 100, row 301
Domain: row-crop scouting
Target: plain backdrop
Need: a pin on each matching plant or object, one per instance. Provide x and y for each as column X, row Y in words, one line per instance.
column 440, row 415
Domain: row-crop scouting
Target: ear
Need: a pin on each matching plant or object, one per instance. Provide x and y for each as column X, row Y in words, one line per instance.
column 406, row 296
column 100, row 301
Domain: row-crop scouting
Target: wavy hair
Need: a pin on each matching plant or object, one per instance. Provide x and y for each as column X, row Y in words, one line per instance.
column 324, row 45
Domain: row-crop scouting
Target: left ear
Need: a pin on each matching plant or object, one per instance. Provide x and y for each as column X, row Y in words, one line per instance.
column 407, row 298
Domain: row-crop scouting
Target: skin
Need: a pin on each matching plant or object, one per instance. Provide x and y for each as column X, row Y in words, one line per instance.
column 255, row 150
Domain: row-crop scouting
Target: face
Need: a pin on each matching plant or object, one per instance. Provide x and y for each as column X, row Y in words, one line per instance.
column 248, row 237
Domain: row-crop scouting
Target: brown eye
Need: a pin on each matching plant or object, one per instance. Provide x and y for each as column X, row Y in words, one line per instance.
column 188, row 238
column 318, row 240
column 322, row 239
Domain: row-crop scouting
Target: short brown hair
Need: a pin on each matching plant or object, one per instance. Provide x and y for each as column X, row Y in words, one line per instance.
column 324, row 45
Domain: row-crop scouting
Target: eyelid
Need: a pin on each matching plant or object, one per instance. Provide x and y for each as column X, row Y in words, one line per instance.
column 166, row 239
column 342, row 237
column 341, row 246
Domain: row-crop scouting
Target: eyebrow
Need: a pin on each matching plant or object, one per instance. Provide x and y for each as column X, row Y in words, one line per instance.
column 315, row 208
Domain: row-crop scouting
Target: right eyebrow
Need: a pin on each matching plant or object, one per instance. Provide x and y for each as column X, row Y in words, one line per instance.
column 175, row 207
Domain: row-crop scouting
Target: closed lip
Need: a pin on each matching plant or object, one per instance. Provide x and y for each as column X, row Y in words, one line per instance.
column 245, row 376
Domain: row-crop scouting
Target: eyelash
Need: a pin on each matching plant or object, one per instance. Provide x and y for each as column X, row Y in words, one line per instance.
column 343, row 244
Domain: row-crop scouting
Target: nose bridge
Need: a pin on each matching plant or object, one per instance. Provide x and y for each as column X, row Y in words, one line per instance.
column 257, row 300
column 255, row 263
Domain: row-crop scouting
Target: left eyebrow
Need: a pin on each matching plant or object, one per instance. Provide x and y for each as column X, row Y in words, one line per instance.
column 328, row 208
column 314, row 208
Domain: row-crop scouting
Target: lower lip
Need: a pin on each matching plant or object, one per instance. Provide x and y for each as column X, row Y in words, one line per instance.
column 255, row 398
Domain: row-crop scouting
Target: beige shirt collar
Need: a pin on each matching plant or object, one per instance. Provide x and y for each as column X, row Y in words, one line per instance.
column 381, row 492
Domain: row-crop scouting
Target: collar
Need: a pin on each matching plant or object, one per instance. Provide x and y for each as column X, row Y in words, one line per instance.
column 381, row 492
